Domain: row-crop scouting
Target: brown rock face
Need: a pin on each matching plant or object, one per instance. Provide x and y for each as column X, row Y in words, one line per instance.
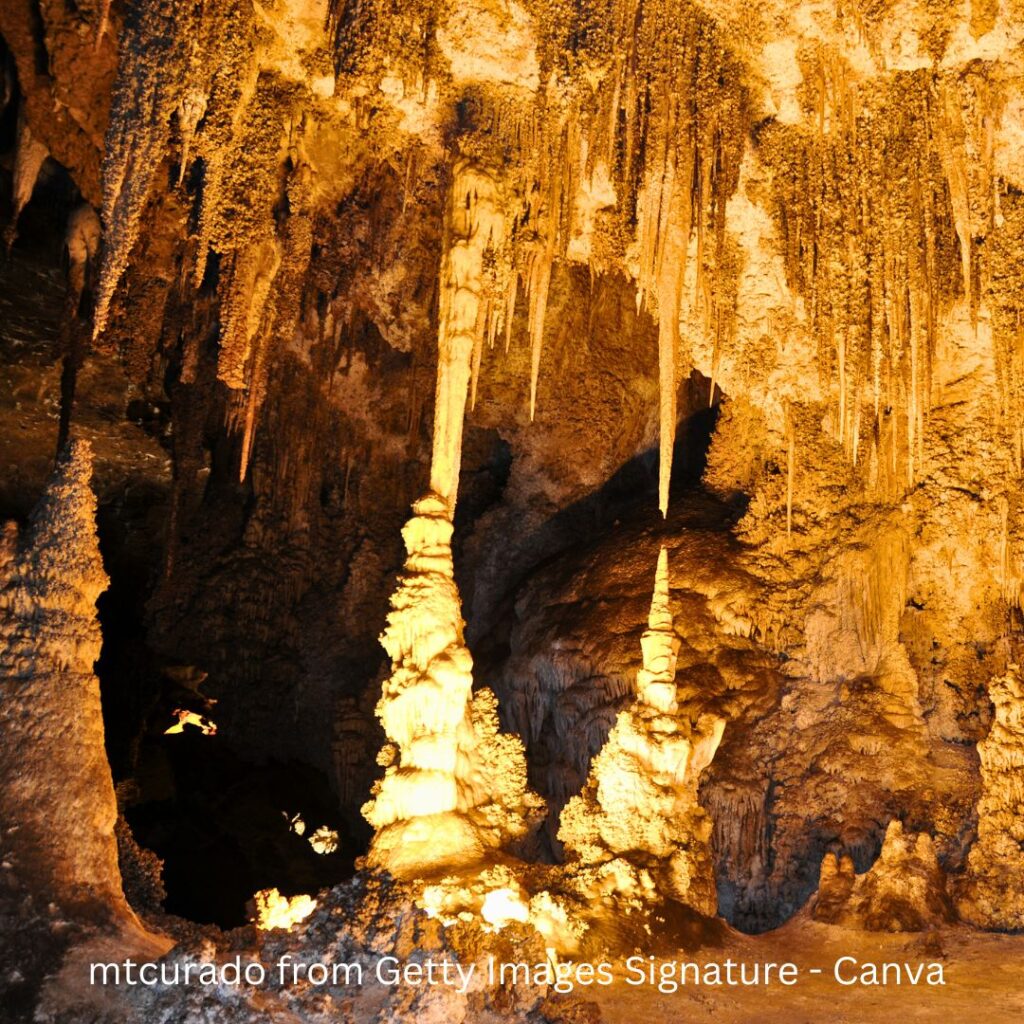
column 57, row 804
column 904, row 891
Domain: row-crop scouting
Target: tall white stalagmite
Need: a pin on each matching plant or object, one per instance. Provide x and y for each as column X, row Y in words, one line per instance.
column 454, row 786
column 638, row 821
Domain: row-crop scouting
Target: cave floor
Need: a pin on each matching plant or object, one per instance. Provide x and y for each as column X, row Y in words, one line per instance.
column 982, row 981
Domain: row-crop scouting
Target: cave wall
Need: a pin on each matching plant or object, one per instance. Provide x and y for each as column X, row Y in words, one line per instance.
column 818, row 212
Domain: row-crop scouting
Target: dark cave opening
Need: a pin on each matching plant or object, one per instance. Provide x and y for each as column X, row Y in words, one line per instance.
column 225, row 821
column 225, row 826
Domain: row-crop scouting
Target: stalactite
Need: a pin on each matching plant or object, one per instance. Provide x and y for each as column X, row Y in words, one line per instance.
column 667, row 121
column 191, row 109
column 537, row 288
column 251, row 277
column 233, row 96
column 475, row 224
column 871, row 256
column 150, row 79
column 29, row 156
column 104, row 22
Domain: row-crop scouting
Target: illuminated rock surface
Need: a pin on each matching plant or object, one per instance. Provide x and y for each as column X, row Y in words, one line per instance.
column 57, row 797
column 637, row 829
column 904, row 890
column 990, row 893
column 735, row 289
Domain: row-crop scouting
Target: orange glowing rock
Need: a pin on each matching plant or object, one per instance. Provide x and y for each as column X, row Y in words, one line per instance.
column 205, row 725
column 502, row 906
column 276, row 911
column 637, row 829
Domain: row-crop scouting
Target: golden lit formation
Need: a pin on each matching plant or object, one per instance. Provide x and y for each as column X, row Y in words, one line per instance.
column 579, row 446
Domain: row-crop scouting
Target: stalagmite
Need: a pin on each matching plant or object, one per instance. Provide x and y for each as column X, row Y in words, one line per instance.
column 57, row 800
column 991, row 894
column 637, row 827
column 454, row 788
column 904, row 891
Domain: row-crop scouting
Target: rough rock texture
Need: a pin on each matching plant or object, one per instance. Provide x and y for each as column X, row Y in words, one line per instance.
column 454, row 788
column 990, row 893
column 356, row 924
column 57, row 799
column 808, row 217
column 637, row 830
column 903, row 891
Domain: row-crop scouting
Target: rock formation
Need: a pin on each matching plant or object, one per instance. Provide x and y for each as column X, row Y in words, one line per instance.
column 576, row 282
column 454, row 789
column 57, row 799
column 637, row 828
column 991, row 894
column 904, row 890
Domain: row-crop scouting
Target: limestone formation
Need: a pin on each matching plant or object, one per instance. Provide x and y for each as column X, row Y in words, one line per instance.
column 454, row 789
column 57, row 800
column 29, row 156
column 991, row 894
column 475, row 229
column 539, row 270
column 903, row 891
column 637, row 828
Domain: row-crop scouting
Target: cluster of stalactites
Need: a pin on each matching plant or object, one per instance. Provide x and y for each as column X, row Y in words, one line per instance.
column 890, row 214
column 190, row 87
column 637, row 826
column 153, row 64
column 649, row 107
column 650, row 136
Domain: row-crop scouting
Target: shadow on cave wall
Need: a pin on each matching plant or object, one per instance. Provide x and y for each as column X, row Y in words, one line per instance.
column 631, row 493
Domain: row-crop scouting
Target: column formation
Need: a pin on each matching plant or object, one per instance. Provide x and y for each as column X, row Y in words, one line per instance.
column 454, row 786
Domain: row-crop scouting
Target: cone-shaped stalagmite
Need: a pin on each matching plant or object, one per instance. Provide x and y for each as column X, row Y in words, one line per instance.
column 57, row 804
column 992, row 889
column 637, row 823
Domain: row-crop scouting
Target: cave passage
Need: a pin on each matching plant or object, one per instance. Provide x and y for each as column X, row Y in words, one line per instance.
column 226, row 827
